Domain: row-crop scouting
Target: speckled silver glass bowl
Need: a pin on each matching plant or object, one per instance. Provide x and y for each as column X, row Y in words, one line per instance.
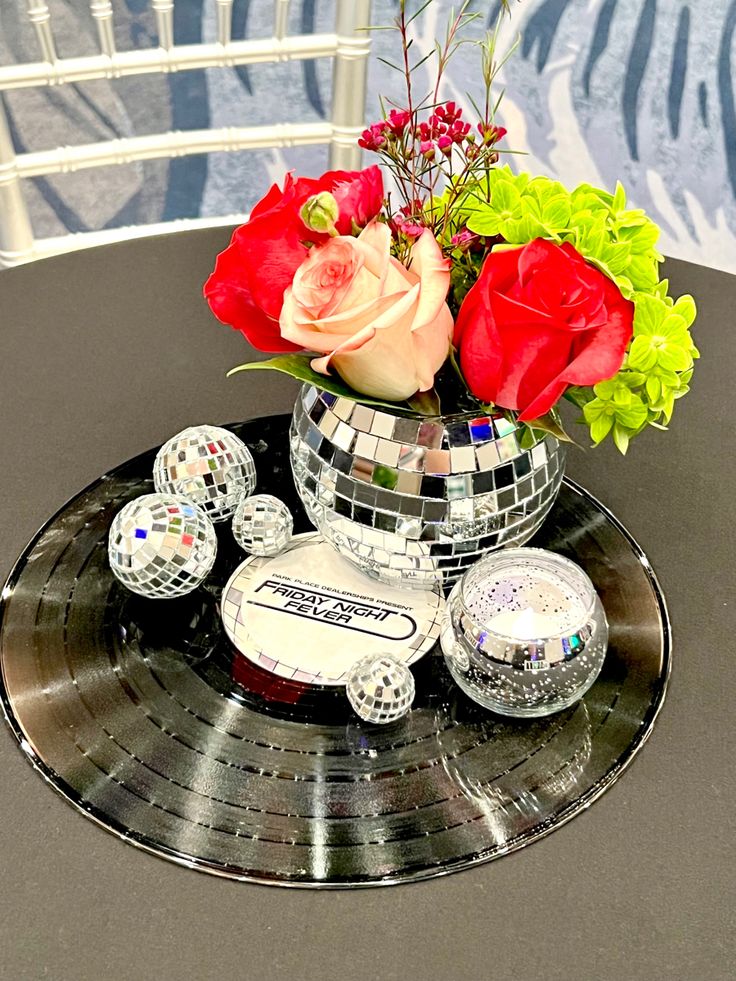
column 416, row 501
column 549, row 661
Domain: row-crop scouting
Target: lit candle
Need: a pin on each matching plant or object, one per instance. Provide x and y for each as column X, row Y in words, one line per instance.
column 526, row 624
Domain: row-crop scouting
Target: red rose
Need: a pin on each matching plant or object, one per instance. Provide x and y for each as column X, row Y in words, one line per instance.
column 246, row 290
column 539, row 319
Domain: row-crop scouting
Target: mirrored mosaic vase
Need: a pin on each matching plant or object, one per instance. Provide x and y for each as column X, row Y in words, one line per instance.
column 417, row 501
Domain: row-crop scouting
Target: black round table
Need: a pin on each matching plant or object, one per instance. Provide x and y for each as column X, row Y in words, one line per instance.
column 105, row 353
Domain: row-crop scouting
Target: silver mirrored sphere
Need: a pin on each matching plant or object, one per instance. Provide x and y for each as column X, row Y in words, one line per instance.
column 262, row 525
column 380, row 688
column 210, row 466
column 161, row 546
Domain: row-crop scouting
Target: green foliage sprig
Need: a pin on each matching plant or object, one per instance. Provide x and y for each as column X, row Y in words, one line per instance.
column 515, row 209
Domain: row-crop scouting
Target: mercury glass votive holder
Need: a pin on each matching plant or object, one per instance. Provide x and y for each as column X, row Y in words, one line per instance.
column 525, row 632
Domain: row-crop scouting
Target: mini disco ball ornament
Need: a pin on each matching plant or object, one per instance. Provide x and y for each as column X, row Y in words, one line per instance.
column 380, row 688
column 262, row 525
column 210, row 466
column 161, row 546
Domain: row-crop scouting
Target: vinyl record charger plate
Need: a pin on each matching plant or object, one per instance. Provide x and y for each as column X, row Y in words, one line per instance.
column 144, row 716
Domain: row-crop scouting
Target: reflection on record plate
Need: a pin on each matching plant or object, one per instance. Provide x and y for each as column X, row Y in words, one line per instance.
column 308, row 615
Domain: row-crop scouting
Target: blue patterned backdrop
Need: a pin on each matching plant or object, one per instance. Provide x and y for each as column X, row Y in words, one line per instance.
column 641, row 90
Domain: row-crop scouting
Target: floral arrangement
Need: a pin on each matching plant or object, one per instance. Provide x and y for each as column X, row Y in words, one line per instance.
column 465, row 285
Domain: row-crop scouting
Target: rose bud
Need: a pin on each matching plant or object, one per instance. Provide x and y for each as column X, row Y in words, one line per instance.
column 320, row 212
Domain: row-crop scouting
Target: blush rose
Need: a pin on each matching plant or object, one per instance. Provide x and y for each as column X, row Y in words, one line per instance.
column 384, row 328
column 246, row 289
column 539, row 319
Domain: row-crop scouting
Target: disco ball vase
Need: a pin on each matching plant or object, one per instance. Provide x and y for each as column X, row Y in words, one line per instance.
column 161, row 546
column 417, row 501
column 380, row 689
column 208, row 465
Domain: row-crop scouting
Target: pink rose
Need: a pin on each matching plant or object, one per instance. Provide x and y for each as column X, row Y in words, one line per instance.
column 247, row 287
column 385, row 329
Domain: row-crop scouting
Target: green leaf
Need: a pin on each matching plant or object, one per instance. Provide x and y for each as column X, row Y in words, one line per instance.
column 654, row 389
column 425, row 403
column 669, row 379
column 519, row 231
column 685, row 307
column 418, row 12
column 298, row 366
column 617, row 256
column 592, row 240
column 673, row 358
column 632, row 416
column 642, row 354
column 601, row 427
column 605, row 389
column 582, row 199
column 579, row 395
column 418, row 64
column 632, row 379
column 622, row 395
column 668, row 405
column 595, row 409
column 626, row 286
column 674, row 328
column 643, row 272
column 619, row 198
column 648, row 313
column 390, row 64
column 621, row 438
column 484, row 222
column 550, row 423
column 505, row 198
column 556, row 212
column 597, row 194
column 641, row 238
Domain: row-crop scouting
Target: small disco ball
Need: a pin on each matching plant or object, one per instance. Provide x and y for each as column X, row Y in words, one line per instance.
column 161, row 546
column 380, row 688
column 262, row 525
column 210, row 466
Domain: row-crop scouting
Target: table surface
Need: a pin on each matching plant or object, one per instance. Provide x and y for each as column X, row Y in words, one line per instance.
column 107, row 352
